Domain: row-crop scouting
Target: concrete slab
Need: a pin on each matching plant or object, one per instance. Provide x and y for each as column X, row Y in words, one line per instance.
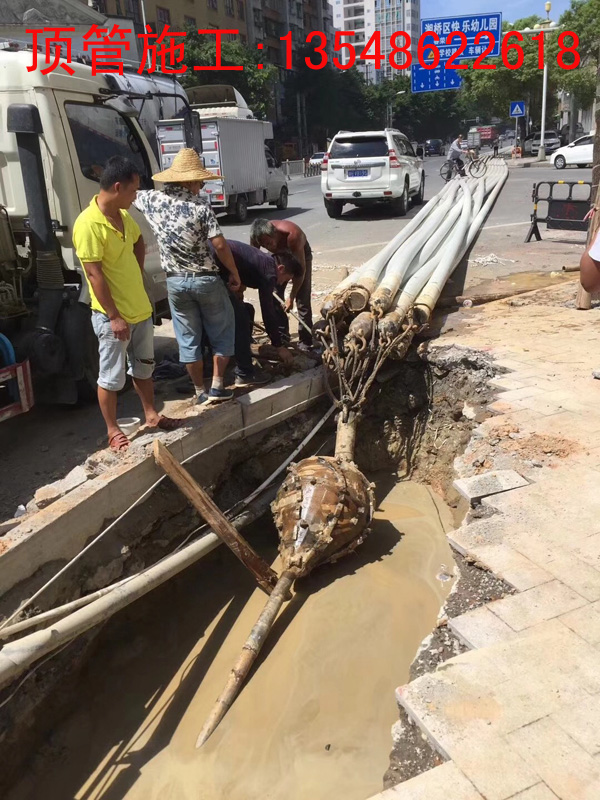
column 538, row 792
column 442, row 783
column 536, row 605
column 581, row 721
column 564, row 766
column 480, row 628
column 477, row 487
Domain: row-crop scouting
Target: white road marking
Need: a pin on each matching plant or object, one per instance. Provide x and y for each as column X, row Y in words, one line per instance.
column 354, row 247
column 504, row 225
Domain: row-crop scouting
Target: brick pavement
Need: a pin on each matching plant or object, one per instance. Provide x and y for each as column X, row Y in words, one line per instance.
column 518, row 716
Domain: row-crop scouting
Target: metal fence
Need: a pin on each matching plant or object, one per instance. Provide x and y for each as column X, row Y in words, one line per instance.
column 300, row 168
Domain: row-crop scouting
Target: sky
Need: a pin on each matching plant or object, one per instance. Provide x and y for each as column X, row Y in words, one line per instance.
column 511, row 9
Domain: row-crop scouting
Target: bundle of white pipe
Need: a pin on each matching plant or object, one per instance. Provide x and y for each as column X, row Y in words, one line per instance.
column 414, row 267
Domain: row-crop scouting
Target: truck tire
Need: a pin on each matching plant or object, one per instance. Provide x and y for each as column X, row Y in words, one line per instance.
column 87, row 387
column 334, row 208
column 282, row 203
column 241, row 209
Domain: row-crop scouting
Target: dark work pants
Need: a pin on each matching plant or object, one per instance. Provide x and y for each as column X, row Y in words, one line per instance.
column 244, row 320
column 303, row 302
column 243, row 336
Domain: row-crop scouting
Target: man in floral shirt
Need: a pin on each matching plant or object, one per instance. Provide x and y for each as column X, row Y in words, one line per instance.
column 183, row 225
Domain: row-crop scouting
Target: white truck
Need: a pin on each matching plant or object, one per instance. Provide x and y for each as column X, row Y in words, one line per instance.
column 56, row 133
column 234, row 148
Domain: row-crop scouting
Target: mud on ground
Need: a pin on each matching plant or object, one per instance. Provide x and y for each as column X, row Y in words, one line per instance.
column 418, row 425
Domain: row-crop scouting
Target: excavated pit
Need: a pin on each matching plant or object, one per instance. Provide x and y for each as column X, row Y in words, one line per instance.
column 116, row 713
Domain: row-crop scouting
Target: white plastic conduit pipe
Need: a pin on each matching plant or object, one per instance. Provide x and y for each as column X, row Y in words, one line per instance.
column 373, row 268
column 429, row 296
column 382, row 298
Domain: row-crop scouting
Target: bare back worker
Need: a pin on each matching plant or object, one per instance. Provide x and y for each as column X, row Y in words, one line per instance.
column 109, row 244
column 455, row 153
column 277, row 237
column 183, row 225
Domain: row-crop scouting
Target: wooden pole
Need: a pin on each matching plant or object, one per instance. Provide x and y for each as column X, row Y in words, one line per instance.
column 263, row 573
column 248, row 656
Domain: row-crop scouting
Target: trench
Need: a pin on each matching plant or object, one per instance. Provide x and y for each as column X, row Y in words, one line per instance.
column 314, row 718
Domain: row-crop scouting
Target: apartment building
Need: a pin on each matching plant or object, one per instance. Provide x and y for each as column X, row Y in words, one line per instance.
column 386, row 16
column 179, row 14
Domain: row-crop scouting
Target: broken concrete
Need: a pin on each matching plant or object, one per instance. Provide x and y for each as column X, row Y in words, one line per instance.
column 53, row 491
column 477, row 487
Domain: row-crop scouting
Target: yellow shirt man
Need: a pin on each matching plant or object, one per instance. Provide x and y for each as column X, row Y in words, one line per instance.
column 96, row 239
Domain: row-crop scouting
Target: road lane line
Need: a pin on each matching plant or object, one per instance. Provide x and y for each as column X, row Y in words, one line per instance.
column 504, row 225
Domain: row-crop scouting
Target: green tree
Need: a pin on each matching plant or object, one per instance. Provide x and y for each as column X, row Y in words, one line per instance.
column 255, row 85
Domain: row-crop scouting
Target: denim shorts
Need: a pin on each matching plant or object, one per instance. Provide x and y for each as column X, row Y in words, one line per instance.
column 136, row 353
column 201, row 304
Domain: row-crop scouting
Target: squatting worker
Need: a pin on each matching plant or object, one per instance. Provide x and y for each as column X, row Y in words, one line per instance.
column 183, row 225
column 455, row 153
column 266, row 273
column 277, row 237
column 109, row 244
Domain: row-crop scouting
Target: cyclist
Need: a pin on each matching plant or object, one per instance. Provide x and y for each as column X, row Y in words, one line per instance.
column 455, row 154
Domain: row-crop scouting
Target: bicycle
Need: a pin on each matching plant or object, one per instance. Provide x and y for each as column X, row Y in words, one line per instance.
column 477, row 167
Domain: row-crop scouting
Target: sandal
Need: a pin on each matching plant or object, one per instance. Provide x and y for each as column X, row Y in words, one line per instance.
column 118, row 442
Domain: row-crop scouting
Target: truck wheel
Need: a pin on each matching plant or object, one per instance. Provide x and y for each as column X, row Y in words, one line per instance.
column 334, row 208
column 419, row 197
column 400, row 204
column 87, row 387
column 282, row 203
column 241, row 209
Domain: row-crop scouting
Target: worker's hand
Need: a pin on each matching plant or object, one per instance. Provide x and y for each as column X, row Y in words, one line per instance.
column 289, row 304
column 234, row 282
column 285, row 355
column 120, row 328
column 590, row 213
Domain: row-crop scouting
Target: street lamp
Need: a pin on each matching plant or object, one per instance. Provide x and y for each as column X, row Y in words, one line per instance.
column 545, row 27
column 389, row 116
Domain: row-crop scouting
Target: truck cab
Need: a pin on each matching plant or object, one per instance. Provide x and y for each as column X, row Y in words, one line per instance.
column 81, row 121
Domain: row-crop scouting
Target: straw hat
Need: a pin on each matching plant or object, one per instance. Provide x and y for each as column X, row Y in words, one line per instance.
column 186, row 166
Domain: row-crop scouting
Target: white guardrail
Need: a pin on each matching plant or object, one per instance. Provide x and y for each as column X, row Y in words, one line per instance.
column 300, row 169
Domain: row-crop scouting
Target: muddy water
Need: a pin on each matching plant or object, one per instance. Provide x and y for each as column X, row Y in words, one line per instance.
column 313, row 722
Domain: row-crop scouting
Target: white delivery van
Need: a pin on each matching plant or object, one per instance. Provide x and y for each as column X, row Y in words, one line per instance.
column 235, row 150
column 56, row 133
column 364, row 167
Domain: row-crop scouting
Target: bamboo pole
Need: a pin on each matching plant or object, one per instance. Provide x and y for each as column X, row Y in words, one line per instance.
column 263, row 573
column 248, row 656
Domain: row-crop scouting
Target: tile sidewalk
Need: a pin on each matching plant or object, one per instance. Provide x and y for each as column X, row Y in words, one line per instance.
column 518, row 715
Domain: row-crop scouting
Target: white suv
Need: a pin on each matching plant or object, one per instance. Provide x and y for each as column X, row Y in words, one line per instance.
column 366, row 167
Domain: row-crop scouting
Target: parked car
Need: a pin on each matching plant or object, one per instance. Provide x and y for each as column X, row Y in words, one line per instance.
column 316, row 159
column 531, row 143
column 434, row 147
column 580, row 152
column 367, row 167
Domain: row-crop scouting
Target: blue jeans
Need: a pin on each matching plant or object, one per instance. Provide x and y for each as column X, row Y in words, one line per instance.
column 201, row 304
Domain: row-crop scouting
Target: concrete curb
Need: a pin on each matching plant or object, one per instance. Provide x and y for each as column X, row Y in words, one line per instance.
column 59, row 531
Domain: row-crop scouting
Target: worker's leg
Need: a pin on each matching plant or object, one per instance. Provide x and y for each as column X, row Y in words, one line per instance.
column 140, row 356
column 461, row 166
column 283, row 322
column 303, row 303
column 111, row 376
column 243, row 338
column 218, row 319
column 187, row 324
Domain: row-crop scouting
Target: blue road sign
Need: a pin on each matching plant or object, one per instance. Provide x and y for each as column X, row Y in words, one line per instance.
column 517, row 108
column 433, row 80
column 470, row 25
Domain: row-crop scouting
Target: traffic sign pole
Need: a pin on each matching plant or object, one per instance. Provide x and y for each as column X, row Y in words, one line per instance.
column 516, row 132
